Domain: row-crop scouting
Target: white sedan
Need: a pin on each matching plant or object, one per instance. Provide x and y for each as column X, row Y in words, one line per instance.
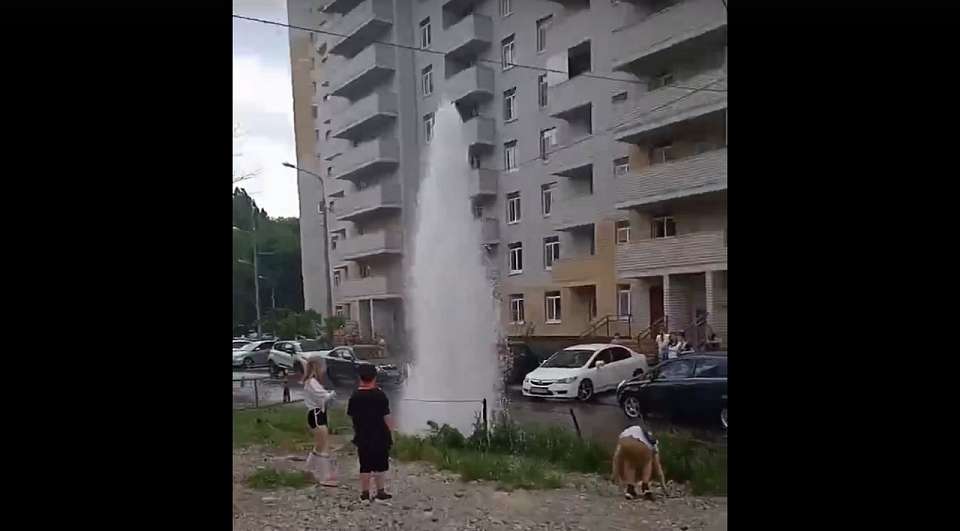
column 582, row 370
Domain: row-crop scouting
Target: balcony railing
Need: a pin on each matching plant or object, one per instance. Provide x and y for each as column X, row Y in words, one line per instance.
column 670, row 105
column 579, row 270
column 573, row 212
column 468, row 37
column 365, row 116
column 367, row 159
column 490, row 231
column 686, row 252
column 364, row 70
column 703, row 173
column 470, row 85
column 574, row 93
column 573, row 158
column 483, row 182
column 355, row 205
column 479, row 131
column 360, row 26
column 371, row 244
column 679, row 23
column 373, row 286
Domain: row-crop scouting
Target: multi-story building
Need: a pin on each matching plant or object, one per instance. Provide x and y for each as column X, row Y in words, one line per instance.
column 596, row 132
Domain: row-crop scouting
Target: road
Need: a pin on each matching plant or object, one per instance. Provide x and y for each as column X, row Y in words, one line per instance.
column 601, row 419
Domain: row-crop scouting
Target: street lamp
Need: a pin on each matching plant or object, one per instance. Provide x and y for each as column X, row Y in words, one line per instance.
column 256, row 273
column 326, row 246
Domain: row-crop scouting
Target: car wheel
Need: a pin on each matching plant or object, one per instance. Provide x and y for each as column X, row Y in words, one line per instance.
column 585, row 391
column 723, row 418
column 247, row 363
column 631, row 407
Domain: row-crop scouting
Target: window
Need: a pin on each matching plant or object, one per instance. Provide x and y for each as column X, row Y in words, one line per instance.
column 428, row 127
column 340, row 310
column 426, row 80
column 336, row 278
column 548, row 140
column 546, row 198
column 578, row 59
column 605, row 356
column 619, row 97
column 425, row 33
column 510, row 104
column 621, row 166
column 623, row 232
column 623, row 300
column 316, row 134
column 334, row 238
column 676, row 370
column 552, row 300
column 320, row 207
column 542, row 26
column 326, row 97
column 516, row 308
column 313, row 37
column 313, row 62
column 663, row 227
column 551, row 251
column 474, row 161
column 508, row 53
column 619, row 353
column 510, row 155
column 365, row 271
column 331, row 206
column 661, row 80
column 506, row 7
column 542, row 90
column 314, row 87
column 710, row 368
column 662, row 153
column 513, row 207
column 329, row 171
column 516, row 258
column 326, row 136
column 477, row 210
column 313, row 111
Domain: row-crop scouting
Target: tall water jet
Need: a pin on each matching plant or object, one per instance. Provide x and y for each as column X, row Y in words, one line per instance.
column 453, row 313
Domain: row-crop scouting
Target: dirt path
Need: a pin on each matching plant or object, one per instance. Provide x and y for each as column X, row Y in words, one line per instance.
column 430, row 500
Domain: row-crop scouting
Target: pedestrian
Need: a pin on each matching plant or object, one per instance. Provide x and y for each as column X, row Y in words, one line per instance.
column 369, row 408
column 682, row 346
column 316, row 397
column 634, row 460
column 663, row 346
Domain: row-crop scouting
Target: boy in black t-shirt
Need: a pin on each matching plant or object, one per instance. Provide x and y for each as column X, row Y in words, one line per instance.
column 370, row 410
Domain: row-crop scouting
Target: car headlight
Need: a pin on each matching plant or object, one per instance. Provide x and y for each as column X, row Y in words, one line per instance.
column 566, row 380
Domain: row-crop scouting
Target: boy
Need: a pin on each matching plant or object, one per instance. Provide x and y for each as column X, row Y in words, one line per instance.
column 369, row 409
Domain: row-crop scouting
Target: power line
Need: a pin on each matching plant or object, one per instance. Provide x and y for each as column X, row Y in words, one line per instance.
column 438, row 52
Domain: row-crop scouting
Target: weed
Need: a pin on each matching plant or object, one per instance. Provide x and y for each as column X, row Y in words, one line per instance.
column 269, row 479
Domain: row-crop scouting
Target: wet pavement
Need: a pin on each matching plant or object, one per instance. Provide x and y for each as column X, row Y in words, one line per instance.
column 600, row 419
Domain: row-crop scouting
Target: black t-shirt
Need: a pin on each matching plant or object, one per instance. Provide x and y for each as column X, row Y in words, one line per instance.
column 367, row 407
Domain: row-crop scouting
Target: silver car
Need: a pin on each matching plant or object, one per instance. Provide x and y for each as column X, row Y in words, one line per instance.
column 253, row 354
column 290, row 355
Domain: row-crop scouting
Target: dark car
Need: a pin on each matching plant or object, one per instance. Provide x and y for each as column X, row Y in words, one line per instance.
column 342, row 363
column 693, row 386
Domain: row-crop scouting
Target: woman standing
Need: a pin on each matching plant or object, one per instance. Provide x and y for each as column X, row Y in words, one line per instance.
column 315, row 397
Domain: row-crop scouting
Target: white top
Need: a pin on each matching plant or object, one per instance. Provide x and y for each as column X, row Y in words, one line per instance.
column 636, row 432
column 315, row 396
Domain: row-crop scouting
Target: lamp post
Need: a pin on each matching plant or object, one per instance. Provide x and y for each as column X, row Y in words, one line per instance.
column 256, row 271
column 326, row 246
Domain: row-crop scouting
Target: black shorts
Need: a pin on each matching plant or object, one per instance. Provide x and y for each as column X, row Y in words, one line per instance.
column 373, row 459
column 316, row 417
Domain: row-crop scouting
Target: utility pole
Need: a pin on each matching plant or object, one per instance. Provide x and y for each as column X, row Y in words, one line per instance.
column 256, row 271
column 326, row 236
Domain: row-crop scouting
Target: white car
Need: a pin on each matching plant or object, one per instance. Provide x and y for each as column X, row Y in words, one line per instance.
column 582, row 370
column 290, row 355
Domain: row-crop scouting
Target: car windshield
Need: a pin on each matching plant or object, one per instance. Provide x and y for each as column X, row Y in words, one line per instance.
column 568, row 359
column 311, row 346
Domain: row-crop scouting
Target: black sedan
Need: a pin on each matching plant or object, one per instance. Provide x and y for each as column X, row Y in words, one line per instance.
column 692, row 386
column 342, row 363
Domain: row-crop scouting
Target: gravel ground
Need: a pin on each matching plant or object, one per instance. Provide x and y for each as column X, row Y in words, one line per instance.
column 430, row 500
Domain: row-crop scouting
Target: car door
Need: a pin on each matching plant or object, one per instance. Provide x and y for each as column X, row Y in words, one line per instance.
column 602, row 376
column 262, row 352
column 708, row 385
column 663, row 393
column 622, row 364
column 349, row 364
column 286, row 354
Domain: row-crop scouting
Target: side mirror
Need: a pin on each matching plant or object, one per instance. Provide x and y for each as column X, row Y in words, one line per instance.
column 600, row 364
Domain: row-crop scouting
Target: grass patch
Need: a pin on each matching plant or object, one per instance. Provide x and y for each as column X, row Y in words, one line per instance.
column 283, row 426
column 701, row 465
column 269, row 479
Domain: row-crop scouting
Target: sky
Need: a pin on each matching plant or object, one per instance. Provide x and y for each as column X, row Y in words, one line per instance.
column 263, row 106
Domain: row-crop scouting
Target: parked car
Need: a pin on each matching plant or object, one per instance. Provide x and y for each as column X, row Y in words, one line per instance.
column 342, row 363
column 239, row 343
column 692, row 386
column 253, row 354
column 291, row 355
column 582, row 370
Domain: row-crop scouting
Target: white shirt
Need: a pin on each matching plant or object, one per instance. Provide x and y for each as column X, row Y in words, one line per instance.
column 636, row 432
column 315, row 396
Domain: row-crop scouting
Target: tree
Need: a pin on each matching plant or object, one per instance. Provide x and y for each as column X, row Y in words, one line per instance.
column 240, row 175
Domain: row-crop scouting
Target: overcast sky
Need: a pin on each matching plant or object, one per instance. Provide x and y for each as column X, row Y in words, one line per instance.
column 263, row 106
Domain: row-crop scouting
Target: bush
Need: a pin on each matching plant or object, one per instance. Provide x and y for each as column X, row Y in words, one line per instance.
column 284, row 426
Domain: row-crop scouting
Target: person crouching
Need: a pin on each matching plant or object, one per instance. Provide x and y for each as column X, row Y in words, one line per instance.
column 636, row 456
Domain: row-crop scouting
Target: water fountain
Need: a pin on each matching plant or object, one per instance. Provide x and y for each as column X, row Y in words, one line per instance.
column 453, row 313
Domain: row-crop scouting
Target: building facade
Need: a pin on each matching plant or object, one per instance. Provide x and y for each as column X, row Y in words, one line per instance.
column 597, row 141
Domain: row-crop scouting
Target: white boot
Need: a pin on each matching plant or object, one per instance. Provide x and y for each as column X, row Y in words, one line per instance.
column 323, row 468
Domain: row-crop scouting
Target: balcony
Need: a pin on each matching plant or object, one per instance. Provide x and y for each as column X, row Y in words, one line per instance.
column 479, row 132
column 669, row 106
column 687, row 253
column 366, row 69
column 575, row 161
column 468, row 37
column 490, row 231
column 699, row 174
column 690, row 24
column 470, row 85
column 339, row 6
column 458, row 6
column 366, row 116
column 573, row 94
column 579, row 271
column 369, row 201
column 575, row 212
column 386, row 286
column 483, row 183
column 372, row 244
column 361, row 25
column 367, row 159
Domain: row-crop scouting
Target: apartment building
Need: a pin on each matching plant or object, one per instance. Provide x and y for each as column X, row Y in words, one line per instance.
column 596, row 138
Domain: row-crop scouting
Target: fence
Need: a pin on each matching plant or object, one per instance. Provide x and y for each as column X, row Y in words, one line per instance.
column 252, row 391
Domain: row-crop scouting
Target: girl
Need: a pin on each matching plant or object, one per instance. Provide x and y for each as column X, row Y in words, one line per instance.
column 315, row 397
column 637, row 454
